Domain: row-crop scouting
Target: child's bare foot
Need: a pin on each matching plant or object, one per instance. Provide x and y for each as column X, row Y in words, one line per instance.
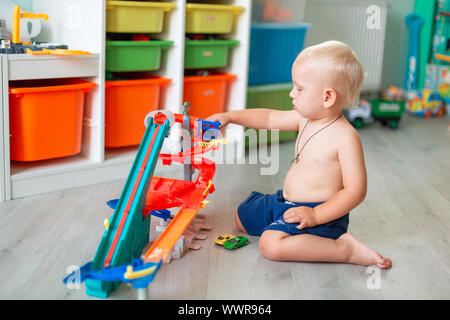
column 364, row 255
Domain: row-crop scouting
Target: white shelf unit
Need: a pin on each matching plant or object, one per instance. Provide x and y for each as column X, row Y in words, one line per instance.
column 81, row 25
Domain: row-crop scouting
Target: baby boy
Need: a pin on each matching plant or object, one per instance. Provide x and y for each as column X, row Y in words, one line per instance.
column 308, row 219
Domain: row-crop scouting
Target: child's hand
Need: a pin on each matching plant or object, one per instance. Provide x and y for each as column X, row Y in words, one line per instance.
column 224, row 119
column 306, row 216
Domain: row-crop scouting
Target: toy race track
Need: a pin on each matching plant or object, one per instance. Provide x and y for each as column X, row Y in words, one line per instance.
column 119, row 257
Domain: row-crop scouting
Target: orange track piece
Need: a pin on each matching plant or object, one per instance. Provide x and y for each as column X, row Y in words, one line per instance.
column 165, row 242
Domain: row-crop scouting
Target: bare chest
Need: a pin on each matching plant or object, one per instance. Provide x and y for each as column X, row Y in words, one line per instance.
column 315, row 150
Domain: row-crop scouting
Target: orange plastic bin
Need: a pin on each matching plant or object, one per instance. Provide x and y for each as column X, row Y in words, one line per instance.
column 127, row 103
column 46, row 118
column 207, row 94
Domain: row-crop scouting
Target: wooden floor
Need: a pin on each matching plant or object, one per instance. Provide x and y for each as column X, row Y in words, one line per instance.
column 406, row 217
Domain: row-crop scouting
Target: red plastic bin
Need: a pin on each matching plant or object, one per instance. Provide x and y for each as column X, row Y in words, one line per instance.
column 127, row 102
column 207, row 94
column 46, row 118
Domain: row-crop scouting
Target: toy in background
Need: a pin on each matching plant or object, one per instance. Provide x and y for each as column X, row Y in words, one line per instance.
column 414, row 23
column 441, row 32
column 444, row 92
column 21, row 43
column 274, row 12
column 431, row 101
column 359, row 115
column 388, row 110
column 4, row 33
column 427, row 104
column 393, row 94
column 436, row 75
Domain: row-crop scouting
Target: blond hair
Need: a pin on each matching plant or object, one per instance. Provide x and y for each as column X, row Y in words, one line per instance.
column 342, row 65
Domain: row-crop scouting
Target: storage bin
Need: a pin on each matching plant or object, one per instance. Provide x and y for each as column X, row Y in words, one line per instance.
column 136, row 16
column 207, row 94
column 273, row 49
column 201, row 54
column 211, row 18
column 46, row 117
column 272, row 96
column 134, row 55
column 127, row 102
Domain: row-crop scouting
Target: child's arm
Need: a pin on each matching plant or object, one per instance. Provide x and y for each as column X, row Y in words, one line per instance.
column 354, row 180
column 260, row 119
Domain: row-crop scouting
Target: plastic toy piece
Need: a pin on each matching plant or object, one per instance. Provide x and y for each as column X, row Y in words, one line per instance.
column 443, row 57
column 64, row 52
column 204, row 203
column 236, row 243
column 17, row 15
column 138, row 273
column 131, row 274
column 223, row 238
column 106, row 223
column 112, row 203
column 209, row 128
column 163, row 214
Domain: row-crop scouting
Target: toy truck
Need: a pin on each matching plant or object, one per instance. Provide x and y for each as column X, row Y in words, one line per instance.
column 388, row 112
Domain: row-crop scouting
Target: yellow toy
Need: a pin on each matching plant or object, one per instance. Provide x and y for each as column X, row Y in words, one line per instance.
column 223, row 238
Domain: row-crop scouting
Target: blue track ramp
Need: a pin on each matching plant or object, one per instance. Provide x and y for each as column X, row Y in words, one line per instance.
column 128, row 231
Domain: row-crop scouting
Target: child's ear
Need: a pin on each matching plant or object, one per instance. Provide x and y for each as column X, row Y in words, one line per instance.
column 330, row 97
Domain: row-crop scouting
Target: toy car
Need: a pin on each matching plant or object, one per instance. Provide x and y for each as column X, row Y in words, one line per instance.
column 236, row 242
column 223, row 238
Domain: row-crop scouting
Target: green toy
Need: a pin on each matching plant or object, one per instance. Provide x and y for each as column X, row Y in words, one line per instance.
column 236, row 242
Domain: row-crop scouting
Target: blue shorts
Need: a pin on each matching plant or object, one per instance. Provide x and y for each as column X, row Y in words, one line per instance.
column 261, row 212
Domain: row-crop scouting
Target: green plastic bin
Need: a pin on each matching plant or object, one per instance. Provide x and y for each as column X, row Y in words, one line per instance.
column 200, row 54
column 272, row 96
column 134, row 55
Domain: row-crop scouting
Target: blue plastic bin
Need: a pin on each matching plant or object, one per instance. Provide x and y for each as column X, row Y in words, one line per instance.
column 273, row 49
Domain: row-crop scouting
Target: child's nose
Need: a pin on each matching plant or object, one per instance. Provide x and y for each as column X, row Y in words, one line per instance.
column 291, row 93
